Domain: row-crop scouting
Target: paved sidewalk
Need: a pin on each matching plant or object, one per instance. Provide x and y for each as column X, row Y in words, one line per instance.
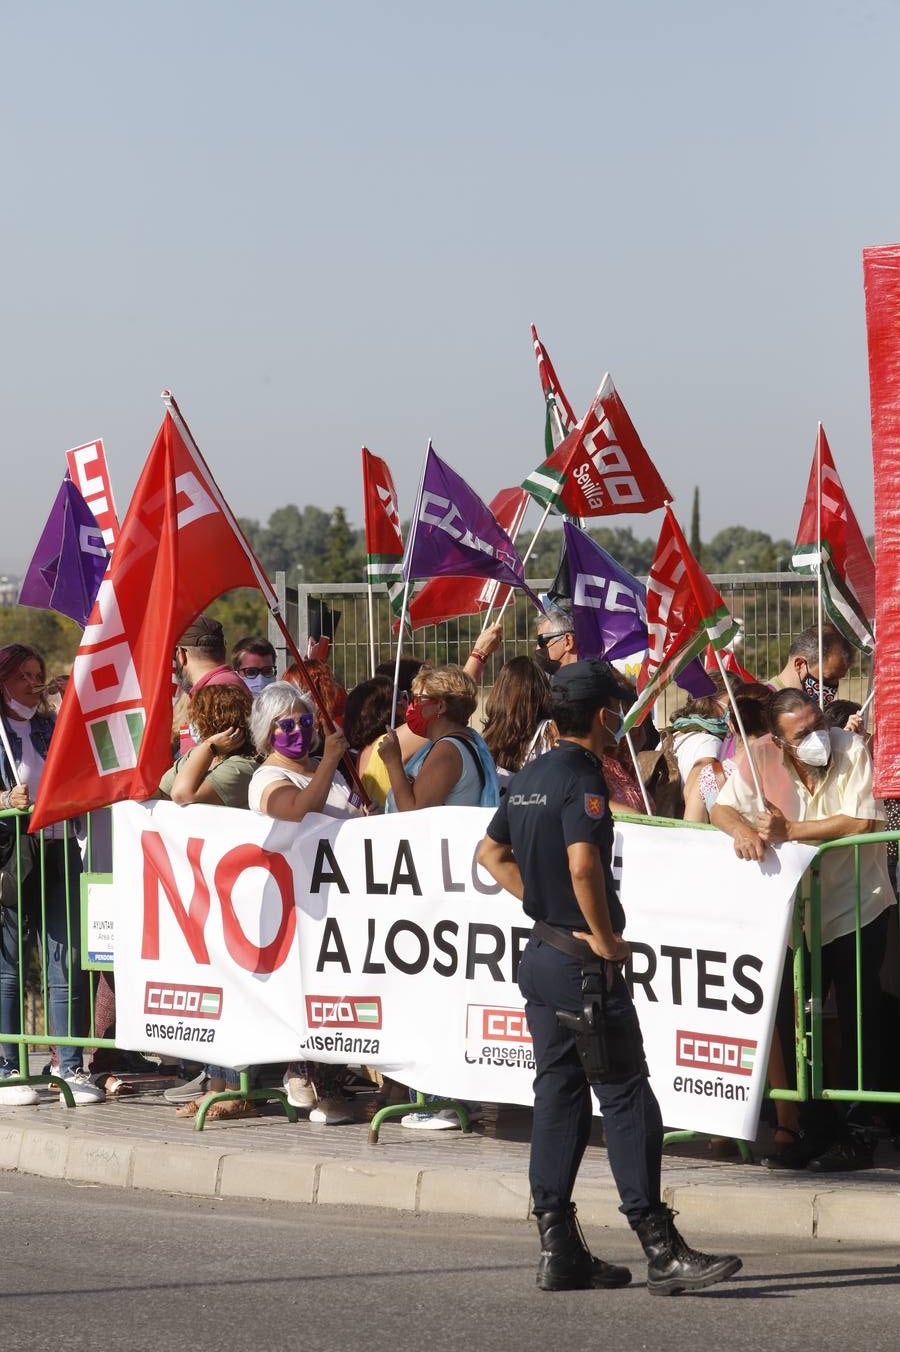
column 138, row 1142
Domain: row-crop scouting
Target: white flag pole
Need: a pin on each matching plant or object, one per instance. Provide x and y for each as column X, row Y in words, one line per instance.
column 371, row 629
column 740, row 726
column 819, row 574
column 637, row 768
column 407, row 564
column 525, row 557
column 14, row 769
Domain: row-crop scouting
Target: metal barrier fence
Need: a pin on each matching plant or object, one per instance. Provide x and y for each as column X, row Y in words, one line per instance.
column 773, row 608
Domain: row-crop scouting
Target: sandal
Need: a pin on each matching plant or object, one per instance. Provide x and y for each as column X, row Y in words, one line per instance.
column 112, row 1086
column 229, row 1108
column 188, row 1109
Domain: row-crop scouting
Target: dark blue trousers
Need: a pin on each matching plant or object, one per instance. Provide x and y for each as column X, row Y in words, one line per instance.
column 632, row 1123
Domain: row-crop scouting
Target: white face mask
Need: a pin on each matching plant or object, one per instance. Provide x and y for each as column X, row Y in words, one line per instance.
column 815, row 749
column 614, row 730
column 21, row 711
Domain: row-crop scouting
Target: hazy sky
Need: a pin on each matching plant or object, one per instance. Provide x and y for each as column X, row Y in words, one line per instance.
column 323, row 225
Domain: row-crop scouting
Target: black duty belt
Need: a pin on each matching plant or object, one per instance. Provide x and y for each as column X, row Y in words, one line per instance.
column 563, row 940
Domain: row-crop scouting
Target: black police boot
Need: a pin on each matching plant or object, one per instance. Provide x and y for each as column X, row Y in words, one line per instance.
column 673, row 1266
column 567, row 1263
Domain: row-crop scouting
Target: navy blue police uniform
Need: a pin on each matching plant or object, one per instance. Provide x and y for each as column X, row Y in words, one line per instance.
column 559, row 800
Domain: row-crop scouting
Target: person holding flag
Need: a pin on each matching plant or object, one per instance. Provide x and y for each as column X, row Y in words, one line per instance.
column 817, row 668
column 44, row 898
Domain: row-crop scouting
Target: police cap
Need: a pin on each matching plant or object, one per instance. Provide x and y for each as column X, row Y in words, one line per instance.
column 581, row 682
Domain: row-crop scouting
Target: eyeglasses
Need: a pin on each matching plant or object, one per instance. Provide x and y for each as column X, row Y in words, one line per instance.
column 424, row 699
column 256, row 671
column 544, row 640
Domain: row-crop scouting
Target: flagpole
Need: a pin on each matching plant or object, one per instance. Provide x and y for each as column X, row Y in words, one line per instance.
column 740, row 725
column 408, row 555
column 371, row 630
column 819, row 574
column 525, row 557
column 637, row 768
column 264, row 584
column 9, row 755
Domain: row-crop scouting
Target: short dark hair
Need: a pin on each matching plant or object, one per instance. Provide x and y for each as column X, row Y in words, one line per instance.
column 259, row 647
column 839, row 710
column 806, row 645
column 574, row 718
column 786, row 702
column 368, row 711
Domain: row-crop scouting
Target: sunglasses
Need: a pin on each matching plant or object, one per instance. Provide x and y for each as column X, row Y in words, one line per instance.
column 544, row 640
column 289, row 724
column 256, row 671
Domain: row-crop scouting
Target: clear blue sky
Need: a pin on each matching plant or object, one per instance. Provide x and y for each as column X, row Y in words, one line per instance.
column 323, row 225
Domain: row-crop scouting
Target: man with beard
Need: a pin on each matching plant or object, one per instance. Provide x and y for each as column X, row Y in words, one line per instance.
column 817, row 782
column 200, row 656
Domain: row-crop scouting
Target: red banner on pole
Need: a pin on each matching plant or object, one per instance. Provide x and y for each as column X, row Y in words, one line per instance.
column 881, row 274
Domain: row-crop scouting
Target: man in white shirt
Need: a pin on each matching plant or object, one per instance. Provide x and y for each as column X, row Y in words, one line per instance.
column 818, row 787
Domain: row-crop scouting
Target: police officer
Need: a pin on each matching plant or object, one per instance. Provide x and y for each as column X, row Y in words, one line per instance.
column 550, row 844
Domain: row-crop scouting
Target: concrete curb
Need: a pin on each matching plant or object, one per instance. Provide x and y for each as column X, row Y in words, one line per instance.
column 838, row 1211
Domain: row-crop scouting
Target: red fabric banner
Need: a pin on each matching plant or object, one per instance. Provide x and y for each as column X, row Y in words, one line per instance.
column 881, row 274
column 179, row 548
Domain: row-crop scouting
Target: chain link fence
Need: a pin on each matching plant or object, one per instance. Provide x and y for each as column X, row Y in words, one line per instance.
column 773, row 608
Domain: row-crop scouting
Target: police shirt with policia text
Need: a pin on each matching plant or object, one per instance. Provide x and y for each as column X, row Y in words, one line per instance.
column 559, row 799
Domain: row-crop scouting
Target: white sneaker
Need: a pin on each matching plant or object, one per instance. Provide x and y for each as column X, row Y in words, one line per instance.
column 300, row 1090
column 16, row 1095
column 332, row 1112
column 445, row 1120
column 84, row 1091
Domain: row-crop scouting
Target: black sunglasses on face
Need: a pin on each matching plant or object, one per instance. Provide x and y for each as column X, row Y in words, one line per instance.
column 256, row 671
column 544, row 640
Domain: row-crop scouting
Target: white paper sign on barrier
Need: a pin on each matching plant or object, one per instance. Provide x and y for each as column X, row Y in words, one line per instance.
column 379, row 941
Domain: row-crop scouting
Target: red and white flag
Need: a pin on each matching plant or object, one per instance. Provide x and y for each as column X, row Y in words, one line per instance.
column 601, row 469
column 384, row 541
column 729, row 662
column 179, row 548
column 560, row 414
column 830, row 544
column 90, row 475
column 444, row 598
column 684, row 613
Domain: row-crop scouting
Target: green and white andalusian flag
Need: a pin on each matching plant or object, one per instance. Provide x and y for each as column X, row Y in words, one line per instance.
column 830, row 542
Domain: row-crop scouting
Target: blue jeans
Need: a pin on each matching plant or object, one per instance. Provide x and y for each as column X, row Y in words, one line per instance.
column 62, row 948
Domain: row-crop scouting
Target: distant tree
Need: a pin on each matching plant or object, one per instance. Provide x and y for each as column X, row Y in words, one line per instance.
column 55, row 637
column 741, row 550
column 696, row 546
column 241, row 612
column 343, row 560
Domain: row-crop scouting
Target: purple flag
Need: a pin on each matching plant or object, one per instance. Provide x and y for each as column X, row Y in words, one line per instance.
column 455, row 535
column 609, row 607
column 69, row 561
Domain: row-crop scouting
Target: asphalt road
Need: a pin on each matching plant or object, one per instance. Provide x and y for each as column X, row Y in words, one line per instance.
column 90, row 1266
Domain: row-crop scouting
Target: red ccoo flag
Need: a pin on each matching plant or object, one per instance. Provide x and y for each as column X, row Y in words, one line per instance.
column 179, row 548
column 684, row 613
column 601, row 468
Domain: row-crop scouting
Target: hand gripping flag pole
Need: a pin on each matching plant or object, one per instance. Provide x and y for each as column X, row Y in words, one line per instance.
column 407, row 579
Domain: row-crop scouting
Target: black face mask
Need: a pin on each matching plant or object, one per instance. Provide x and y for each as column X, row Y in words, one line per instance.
column 811, row 689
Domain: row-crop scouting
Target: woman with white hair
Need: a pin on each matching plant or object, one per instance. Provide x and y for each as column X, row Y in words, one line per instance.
column 291, row 780
column 290, row 783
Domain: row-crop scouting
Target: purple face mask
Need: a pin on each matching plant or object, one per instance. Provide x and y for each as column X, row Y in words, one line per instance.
column 292, row 736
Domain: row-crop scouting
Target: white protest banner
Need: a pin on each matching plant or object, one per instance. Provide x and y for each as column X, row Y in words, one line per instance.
column 380, row 941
